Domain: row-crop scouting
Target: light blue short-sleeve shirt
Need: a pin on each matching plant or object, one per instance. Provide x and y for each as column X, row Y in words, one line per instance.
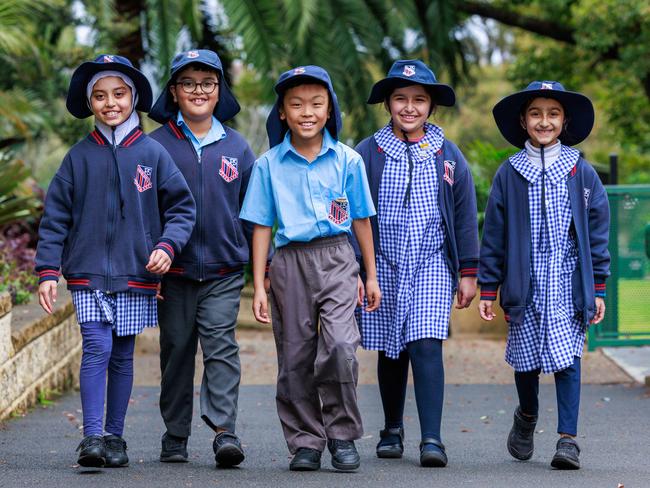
column 308, row 200
column 216, row 133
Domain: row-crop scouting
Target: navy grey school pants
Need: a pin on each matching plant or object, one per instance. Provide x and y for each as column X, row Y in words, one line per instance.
column 195, row 311
column 313, row 297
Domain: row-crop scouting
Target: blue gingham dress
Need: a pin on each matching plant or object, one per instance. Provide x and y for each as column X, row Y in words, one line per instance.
column 416, row 283
column 128, row 313
column 552, row 332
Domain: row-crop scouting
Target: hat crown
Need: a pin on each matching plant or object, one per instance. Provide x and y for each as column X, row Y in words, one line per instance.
column 412, row 69
column 545, row 85
column 203, row 56
column 307, row 71
column 112, row 58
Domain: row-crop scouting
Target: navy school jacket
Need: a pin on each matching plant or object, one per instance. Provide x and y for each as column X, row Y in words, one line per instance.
column 505, row 248
column 101, row 224
column 219, row 245
column 457, row 202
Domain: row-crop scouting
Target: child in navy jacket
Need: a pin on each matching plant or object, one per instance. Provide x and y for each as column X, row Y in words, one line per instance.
column 425, row 236
column 544, row 248
column 201, row 292
column 116, row 213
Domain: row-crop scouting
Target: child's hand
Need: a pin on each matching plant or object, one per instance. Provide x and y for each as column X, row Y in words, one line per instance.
column 485, row 309
column 600, row 311
column 466, row 292
column 159, row 262
column 360, row 291
column 373, row 295
column 158, row 294
column 47, row 295
column 261, row 306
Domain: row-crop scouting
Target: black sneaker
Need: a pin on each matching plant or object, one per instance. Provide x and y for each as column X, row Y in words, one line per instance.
column 92, row 452
column 520, row 439
column 432, row 453
column 567, row 454
column 391, row 443
column 227, row 450
column 174, row 449
column 344, row 455
column 115, row 451
column 305, row 459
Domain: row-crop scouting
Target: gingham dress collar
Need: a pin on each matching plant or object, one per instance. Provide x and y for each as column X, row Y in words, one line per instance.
column 422, row 150
column 564, row 164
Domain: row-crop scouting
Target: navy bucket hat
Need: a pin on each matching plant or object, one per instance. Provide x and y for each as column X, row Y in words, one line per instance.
column 276, row 128
column 406, row 72
column 578, row 112
column 77, row 103
column 165, row 108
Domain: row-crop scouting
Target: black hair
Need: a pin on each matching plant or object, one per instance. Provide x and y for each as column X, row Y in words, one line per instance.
column 198, row 67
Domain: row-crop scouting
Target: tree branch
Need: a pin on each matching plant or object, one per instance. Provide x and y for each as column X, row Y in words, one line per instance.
column 545, row 28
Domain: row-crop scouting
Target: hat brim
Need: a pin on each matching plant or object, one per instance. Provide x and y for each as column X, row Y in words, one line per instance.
column 442, row 94
column 77, row 103
column 165, row 108
column 578, row 110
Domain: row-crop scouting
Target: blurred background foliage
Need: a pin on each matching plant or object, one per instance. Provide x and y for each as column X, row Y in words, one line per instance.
column 484, row 48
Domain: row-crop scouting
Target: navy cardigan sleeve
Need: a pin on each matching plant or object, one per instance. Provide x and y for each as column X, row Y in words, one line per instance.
column 177, row 207
column 599, row 236
column 466, row 228
column 55, row 224
column 493, row 244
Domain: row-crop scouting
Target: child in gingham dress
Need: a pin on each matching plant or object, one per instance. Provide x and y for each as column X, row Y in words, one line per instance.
column 426, row 234
column 102, row 228
column 545, row 246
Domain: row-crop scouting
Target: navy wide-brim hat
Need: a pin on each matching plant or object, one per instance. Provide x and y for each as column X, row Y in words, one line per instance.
column 165, row 108
column 578, row 113
column 406, row 72
column 276, row 128
column 77, row 103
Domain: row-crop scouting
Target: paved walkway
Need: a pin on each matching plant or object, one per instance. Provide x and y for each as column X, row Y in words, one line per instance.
column 38, row 450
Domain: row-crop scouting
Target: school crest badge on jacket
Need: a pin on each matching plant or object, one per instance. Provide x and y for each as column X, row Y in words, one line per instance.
column 142, row 178
column 229, row 168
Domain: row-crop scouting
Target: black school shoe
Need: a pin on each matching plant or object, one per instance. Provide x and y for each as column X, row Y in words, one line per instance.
column 344, row 455
column 520, row 439
column 92, row 452
column 115, row 452
column 227, row 450
column 391, row 443
column 305, row 459
column 174, row 449
column 567, row 454
column 432, row 453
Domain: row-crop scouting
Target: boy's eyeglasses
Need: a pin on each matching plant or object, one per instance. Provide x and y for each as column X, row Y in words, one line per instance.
column 189, row 86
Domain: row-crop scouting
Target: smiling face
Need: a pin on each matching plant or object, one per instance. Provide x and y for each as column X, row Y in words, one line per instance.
column 409, row 108
column 543, row 119
column 197, row 105
column 306, row 108
column 111, row 101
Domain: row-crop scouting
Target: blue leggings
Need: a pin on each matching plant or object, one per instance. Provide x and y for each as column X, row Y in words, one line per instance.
column 104, row 351
column 425, row 356
column 567, row 391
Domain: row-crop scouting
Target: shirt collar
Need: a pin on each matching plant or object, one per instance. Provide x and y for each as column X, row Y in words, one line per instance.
column 564, row 164
column 421, row 150
column 328, row 143
column 216, row 132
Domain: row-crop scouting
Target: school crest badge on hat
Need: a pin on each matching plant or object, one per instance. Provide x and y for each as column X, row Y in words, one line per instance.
column 229, row 168
column 108, row 59
column 299, row 71
column 546, row 86
column 192, row 54
column 450, row 167
column 409, row 70
column 339, row 210
column 142, row 178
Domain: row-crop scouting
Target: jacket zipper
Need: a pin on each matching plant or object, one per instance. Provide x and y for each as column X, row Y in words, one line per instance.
column 111, row 216
column 199, row 210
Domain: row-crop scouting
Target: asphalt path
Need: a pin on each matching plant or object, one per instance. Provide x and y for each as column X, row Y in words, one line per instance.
column 37, row 450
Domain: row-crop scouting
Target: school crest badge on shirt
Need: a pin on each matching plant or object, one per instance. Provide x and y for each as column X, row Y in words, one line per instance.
column 450, row 167
column 339, row 210
column 142, row 178
column 229, row 168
